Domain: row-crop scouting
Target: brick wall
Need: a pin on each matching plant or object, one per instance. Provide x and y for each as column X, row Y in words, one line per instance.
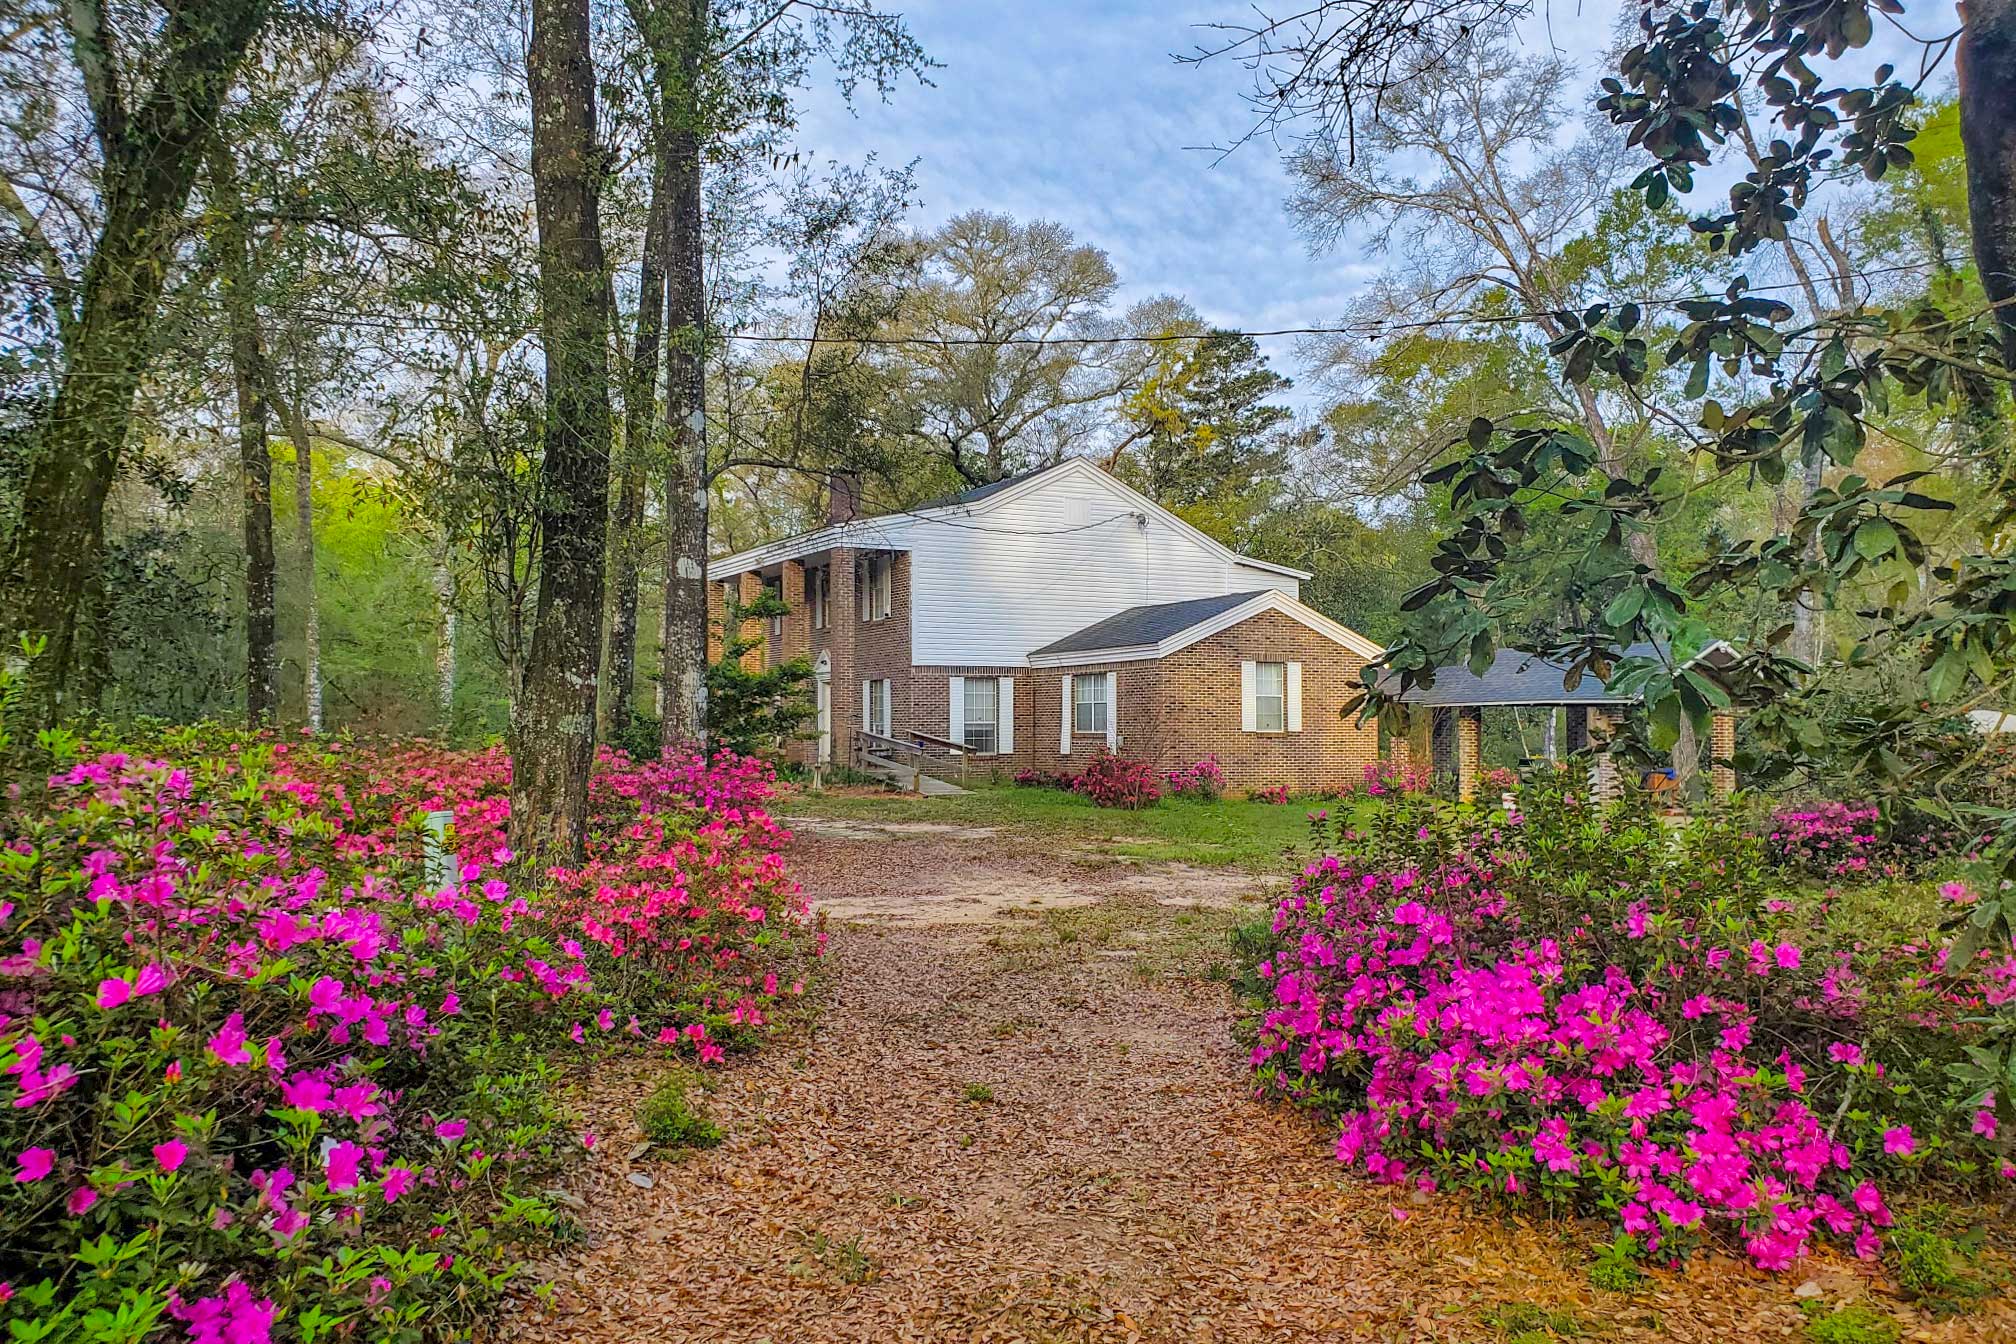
column 1181, row 708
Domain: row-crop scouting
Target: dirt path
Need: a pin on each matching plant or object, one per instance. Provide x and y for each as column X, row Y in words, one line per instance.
column 1016, row 1126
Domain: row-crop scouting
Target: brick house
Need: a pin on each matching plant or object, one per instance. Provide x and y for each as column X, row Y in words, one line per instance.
column 1039, row 618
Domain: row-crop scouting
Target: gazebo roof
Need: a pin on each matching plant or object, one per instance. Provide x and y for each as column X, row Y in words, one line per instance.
column 1517, row 677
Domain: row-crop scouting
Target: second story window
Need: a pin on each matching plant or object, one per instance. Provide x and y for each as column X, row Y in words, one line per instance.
column 818, row 592
column 874, row 575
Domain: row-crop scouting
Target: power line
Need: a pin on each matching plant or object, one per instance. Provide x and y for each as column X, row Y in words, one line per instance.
column 1370, row 329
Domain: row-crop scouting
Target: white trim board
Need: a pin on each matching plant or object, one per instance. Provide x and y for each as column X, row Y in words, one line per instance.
column 1224, row 620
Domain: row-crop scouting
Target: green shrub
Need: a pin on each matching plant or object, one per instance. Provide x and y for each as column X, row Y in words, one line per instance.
column 669, row 1118
column 1852, row 1324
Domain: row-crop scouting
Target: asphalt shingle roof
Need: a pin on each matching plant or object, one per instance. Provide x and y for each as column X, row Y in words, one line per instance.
column 1146, row 625
column 1516, row 677
column 975, row 494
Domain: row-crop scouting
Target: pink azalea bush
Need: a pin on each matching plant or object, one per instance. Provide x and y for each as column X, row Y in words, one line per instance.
column 1578, row 1008
column 1203, row 779
column 1118, row 781
column 263, row 1074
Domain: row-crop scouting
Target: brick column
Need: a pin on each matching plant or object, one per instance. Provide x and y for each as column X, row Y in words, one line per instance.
column 798, row 620
column 843, row 629
column 1721, row 752
column 1469, row 752
column 1602, row 722
column 717, row 613
column 752, row 627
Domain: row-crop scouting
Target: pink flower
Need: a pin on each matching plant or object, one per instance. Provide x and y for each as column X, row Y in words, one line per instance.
column 33, row 1165
column 397, row 1181
column 341, row 1165
column 170, row 1155
column 228, row 1045
column 451, row 1129
column 1845, row 1052
column 1898, row 1142
column 81, row 1199
column 1787, row 955
column 112, row 993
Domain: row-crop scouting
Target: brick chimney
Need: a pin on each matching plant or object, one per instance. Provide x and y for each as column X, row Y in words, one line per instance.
column 843, row 496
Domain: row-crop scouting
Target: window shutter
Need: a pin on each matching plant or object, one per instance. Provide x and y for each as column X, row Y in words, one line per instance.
column 1112, row 711
column 1294, row 710
column 1004, row 716
column 867, row 707
column 1249, row 712
column 1064, row 737
column 956, row 717
column 861, row 572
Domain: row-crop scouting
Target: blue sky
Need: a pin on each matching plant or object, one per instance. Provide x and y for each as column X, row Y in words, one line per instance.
column 1076, row 112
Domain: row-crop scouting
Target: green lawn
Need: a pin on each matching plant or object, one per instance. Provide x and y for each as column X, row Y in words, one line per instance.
column 1236, row 832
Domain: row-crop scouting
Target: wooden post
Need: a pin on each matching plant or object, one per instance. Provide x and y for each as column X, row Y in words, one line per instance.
column 1469, row 752
column 1721, row 753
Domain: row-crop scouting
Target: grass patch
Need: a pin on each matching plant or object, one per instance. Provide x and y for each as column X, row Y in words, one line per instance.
column 669, row 1118
column 1528, row 1323
column 1227, row 833
column 978, row 1093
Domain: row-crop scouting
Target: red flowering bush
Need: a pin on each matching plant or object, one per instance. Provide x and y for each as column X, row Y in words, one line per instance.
column 1586, row 1010
column 1273, row 793
column 1200, row 779
column 267, row 1076
column 1118, row 781
column 1826, row 839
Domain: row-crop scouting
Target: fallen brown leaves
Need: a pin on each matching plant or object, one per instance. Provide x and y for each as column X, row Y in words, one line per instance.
column 1120, row 1185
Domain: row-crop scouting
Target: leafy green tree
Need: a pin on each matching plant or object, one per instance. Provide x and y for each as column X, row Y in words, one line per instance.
column 756, row 711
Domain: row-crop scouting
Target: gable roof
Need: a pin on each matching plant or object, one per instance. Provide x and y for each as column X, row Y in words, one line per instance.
column 1158, row 630
column 1517, row 677
column 1145, row 625
column 883, row 531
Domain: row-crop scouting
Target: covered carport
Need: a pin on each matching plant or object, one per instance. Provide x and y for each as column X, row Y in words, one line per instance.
column 1444, row 723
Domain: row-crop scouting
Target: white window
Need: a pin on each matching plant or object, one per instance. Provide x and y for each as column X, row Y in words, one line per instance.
column 873, row 575
column 875, row 706
column 818, row 590
column 1090, row 712
column 1270, row 697
column 982, row 724
column 775, row 590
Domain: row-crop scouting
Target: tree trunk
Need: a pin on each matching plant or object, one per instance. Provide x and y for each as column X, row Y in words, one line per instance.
column 255, row 461
column 684, row 642
column 151, row 157
column 640, row 442
column 1986, row 61
column 555, row 728
column 304, row 523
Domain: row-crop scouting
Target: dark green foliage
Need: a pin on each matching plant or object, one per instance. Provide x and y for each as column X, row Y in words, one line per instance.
column 756, row 711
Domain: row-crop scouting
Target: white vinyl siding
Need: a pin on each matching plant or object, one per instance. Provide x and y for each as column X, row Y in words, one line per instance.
column 1049, row 562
